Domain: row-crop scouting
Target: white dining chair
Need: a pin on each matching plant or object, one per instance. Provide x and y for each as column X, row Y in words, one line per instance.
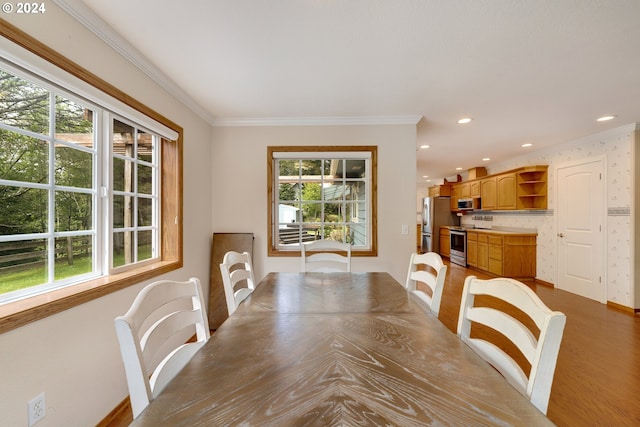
column 155, row 336
column 429, row 269
column 540, row 348
column 326, row 256
column 237, row 278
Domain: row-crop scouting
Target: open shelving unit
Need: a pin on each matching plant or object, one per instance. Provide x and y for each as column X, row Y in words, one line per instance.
column 532, row 187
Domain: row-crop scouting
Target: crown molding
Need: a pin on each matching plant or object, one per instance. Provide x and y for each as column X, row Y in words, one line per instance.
column 88, row 18
column 319, row 121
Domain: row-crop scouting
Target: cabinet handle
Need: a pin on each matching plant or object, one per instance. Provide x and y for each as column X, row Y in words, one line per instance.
column 560, row 235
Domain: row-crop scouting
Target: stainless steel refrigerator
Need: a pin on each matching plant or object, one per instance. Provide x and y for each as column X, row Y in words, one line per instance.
column 436, row 212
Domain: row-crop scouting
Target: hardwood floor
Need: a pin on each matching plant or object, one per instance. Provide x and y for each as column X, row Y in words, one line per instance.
column 597, row 378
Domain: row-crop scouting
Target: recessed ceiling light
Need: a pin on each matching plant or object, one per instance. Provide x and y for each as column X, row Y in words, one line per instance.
column 486, row 159
column 464, row 120
column 527, row 144
column 458, row 169
column 605, row 118
column 425, row 176
column 424, row 146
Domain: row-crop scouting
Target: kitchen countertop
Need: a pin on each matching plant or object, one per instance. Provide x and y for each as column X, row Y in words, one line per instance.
column 496, row 230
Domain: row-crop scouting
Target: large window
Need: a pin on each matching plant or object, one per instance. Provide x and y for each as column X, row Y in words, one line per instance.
column 52, row 147
column 90, row 185
column 322, row 193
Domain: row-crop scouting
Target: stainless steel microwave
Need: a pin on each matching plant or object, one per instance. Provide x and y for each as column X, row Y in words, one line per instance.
column 465, row 204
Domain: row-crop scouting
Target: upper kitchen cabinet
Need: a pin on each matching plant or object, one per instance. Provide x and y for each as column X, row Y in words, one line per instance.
column 532, row 187
column 443, row 190
column 506, row 191
column 519, row 189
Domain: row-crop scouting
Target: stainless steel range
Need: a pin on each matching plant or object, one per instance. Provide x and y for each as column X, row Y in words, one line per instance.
column 458, row 250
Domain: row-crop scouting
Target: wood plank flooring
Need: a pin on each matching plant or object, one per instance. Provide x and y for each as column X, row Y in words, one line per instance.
column 597, row 378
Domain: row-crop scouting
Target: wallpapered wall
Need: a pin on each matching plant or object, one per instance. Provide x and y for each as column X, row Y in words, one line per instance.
column 615, row 146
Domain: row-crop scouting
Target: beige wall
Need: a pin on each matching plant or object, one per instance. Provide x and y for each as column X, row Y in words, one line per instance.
column 73, row 356
column 240, row 188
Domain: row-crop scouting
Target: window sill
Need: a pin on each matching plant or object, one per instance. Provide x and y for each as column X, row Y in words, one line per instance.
column 22, row 312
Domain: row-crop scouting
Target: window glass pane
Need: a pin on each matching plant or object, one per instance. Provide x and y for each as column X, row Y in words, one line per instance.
column 145, row 212
column 122, row 211
column 24, row 210
column 288, row 168
column 74, row 122
column 311, row 212
column 145, row 146
column 23, row 158
column 145, row 179
column 23, row 264
column 355, row 168
column 145, row 247
column 122, row 248
column 73, row 168
column 334, row 192
column 311, row 168
column 122, row 175
column 73, row 211
column 23, row 104
column 312, row 191
column 288, row 192
column 335, row 232
column 73, row 256
column 358, row 234
column 333, row 212
column 288, row 213
column 123, row 138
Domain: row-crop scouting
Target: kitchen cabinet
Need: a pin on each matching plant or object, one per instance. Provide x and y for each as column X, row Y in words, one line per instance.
column 488, row 193
column 445, row 242
column 456, row 190
column 472, row 248
column 505, row 254
column 443, row 190
column 483, row 251
column 518, row 189
column 474, row 189
column 532, row 187
column 459, row 190
column 495, row 255
column 506, row 191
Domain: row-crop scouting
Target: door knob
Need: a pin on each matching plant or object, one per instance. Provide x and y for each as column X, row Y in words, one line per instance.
column 560, row 235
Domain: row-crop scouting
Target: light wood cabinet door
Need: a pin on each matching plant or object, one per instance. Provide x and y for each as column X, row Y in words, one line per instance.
column 506, row 191
column 472, row 248
column 474, row 189
column 488, row 193
column 445, row 242
column 455, row 195
column 483, row 252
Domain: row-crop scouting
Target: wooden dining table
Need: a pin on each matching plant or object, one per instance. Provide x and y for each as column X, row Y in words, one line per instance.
column 337, row 349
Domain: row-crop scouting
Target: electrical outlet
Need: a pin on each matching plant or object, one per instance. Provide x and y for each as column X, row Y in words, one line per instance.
column 404, row 229
column 37, row 409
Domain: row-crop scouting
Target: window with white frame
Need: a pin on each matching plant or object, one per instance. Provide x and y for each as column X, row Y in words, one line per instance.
column 79, row 187
column 322, row 193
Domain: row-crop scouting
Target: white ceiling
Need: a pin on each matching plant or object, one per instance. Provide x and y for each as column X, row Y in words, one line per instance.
column 525, row 71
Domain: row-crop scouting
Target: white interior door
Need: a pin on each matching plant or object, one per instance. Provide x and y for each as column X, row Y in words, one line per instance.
column 580, row 229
